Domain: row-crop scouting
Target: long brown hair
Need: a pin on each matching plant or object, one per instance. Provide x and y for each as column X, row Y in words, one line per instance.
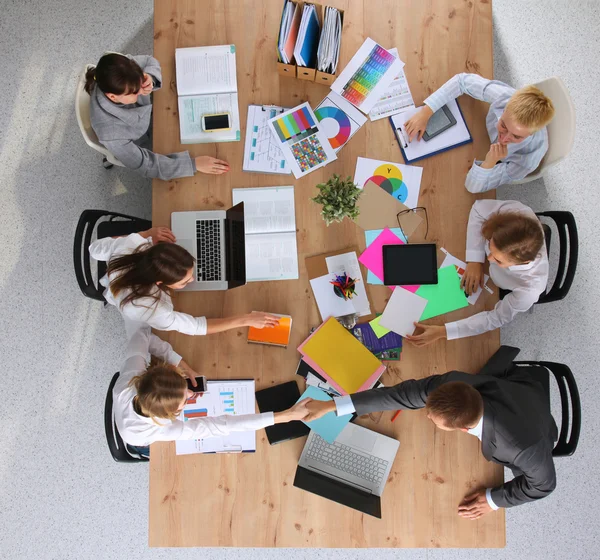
column 115, row 73
column 515, row 234
column 139, row 272
column 458, row 404
column 160, row 390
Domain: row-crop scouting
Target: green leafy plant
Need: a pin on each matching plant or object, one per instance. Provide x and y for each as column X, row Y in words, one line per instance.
column 338, row 198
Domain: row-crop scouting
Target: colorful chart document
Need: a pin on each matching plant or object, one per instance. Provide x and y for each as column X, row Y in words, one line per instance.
column 262, row 153
column 367, row 76
column 403, row 182
column 339, row 120
column 232, row 397
column 304, row 145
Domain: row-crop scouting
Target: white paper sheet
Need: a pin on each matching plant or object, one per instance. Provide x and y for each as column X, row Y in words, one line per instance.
column 261, row 153
column 201, row 70
column 267, row 209
column 328, row 303
column 193, row 107
column 403, row 182
column 347, row 263
column 403, row 309
column 271, row 257
column 461, row 266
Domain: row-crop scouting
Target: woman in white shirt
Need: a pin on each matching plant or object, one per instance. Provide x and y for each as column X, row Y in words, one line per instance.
column 511, row 236
column 143, row 270
column 148, row 400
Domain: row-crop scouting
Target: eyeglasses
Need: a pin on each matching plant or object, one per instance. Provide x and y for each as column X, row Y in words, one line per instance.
column 413, row 210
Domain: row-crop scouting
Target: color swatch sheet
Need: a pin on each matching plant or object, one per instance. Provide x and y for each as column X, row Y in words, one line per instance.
column 367, row 76
column 372, row 257
column 460, row 268
column 396, row 98
column 262, row 153
column 403, row 182
column 339, row 120
column 232, row 397
column 329, row 426
column 303, row 143
column 445, row 296
column 336, row 355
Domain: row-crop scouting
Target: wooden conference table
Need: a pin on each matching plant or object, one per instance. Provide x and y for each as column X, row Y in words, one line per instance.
column 249, row 499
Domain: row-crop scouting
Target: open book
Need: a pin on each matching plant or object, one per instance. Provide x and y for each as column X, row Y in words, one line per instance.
column 206, row 85
column 270, row 226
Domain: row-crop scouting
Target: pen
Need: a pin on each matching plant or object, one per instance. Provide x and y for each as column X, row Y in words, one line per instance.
column 396, row 414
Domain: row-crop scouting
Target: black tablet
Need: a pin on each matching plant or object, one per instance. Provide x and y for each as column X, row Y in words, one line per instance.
column 439, row 122
column 410, row 264
column 276, row 399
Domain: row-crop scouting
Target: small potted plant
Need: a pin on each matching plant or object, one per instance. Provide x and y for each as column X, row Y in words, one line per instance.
column 338, row 198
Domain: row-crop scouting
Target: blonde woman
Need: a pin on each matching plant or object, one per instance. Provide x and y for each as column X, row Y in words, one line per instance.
column 147, row 400
column 516, row 124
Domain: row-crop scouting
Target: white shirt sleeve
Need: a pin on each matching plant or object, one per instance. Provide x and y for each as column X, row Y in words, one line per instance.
column 344, row 405
column 199, row 428
column 471, row 84
column 163, row 350
column 480, row 212
column 104, row 249
column 488, row 497
column 481, row 180
column 163, row 317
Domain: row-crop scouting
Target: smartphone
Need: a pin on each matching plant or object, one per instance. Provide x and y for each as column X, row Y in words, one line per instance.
column 220, row 121
column 202, row 387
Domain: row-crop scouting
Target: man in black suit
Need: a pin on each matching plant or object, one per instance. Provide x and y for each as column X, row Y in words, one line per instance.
column 508, row 412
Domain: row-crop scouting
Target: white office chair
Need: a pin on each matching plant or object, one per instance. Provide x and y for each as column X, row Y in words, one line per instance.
column 561, row 130
column 82, row 110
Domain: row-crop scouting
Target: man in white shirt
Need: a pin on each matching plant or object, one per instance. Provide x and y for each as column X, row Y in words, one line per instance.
column 510, row 236
column 516, row 124
column 507, row 411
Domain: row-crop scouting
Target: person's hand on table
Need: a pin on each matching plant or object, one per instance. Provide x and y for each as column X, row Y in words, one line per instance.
column 317, row 409
column 189, row 372
column 474, row 505
column 147, row 85
column 416, row 125
column 472, row 278
column 297, row 412
column 159, row 235
column 429, row 334
column 211, row 165
column 260, row 320
column 497, row 153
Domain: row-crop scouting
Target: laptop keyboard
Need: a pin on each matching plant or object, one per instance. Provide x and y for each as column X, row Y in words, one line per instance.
column 208, row 243
column 345, row 459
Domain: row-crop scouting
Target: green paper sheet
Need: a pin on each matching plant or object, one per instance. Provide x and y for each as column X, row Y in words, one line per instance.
column 445, row 296
column 377, row 328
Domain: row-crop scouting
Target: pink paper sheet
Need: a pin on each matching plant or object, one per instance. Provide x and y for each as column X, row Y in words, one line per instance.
column 372, row 257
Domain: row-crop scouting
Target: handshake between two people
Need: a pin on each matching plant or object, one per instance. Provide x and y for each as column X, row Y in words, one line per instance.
column 306, row 410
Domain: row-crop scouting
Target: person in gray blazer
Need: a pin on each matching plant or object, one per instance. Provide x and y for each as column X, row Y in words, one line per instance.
column 121, row 110
column 508, row 412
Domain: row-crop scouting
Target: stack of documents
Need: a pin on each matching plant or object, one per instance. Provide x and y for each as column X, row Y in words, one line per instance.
column 288, row 31
column 305, row 51
column 328, row 53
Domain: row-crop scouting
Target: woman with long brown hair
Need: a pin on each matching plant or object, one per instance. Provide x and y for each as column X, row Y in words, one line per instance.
column 143, row 270
column 511, row 237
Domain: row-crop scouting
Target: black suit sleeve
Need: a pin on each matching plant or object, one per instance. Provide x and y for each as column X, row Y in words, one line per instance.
column 537, row 481
column 408, row 395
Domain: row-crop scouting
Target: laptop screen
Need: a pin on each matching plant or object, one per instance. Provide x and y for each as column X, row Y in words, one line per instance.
column 235, row 239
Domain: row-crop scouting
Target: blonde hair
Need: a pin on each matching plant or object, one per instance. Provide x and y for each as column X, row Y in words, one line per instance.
column 530, row 108
column 160, row 390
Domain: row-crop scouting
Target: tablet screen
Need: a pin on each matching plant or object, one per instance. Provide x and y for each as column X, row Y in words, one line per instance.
column 409, row 264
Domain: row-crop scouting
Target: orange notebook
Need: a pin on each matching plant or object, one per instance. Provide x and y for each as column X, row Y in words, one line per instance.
column 275, row 336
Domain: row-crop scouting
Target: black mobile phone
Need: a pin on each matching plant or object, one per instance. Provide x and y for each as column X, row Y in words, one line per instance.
column 201, row 381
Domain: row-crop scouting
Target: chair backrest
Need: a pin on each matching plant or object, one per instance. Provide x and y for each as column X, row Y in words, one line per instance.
column 568, row 241
column 570, row 427
column 82, row 111
column 116, row 445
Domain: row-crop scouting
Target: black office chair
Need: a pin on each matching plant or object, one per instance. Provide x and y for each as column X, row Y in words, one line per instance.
column 109, row 224
column 119, row 450
column 567, row 258
column 568, row 439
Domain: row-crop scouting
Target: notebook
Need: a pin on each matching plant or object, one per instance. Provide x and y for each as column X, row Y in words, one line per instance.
column 417, row 150
column 342, row 360
column 274, row 336
column 270, row 227
column 206, row 85
column 261, row 153
column 233, row 396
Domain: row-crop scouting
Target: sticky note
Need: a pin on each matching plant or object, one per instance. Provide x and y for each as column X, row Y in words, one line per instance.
column 329, row 426
column 377, row 328
column 445, row 296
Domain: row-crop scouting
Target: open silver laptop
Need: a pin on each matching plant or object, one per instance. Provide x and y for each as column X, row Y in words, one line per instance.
column 352, row 471
column 216, row 239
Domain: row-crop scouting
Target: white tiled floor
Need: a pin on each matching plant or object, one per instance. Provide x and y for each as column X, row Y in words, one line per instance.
column 62, row 495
